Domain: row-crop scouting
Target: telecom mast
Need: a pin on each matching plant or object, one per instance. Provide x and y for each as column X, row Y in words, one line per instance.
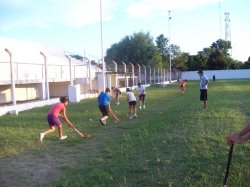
column 227, row 27
column 227, row 30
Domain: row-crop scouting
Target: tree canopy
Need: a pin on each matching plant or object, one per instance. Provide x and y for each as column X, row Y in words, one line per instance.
column 140, row 48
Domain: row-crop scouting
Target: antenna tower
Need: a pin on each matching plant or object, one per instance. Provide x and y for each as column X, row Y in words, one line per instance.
column 227, row 27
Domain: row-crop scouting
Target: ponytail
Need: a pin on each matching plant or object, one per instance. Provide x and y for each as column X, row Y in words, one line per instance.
column 64, row 99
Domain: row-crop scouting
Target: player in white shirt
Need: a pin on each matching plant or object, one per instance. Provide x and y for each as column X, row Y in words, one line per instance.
column 141, row 94
column 131, row 103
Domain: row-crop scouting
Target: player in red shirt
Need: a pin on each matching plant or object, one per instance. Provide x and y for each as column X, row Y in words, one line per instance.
column 183, row 85
column 56, row 111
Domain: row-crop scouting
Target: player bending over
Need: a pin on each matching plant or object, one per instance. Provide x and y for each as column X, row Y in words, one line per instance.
column 131, row 103
column 183, row 84
column 58, row 109
column 141, row 94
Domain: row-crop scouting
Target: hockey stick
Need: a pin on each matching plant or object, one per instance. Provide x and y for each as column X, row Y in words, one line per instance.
column 113, row 114
column 82, row 135
column 228, row 164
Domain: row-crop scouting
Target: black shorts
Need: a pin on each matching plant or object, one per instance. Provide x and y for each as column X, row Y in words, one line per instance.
column 142, row 97
column 104, row 110
column 132, row 103
column 203, row 95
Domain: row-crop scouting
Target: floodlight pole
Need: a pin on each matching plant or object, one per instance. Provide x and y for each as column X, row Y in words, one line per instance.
column 13, row 86
column 169, row 18
column 103, row 63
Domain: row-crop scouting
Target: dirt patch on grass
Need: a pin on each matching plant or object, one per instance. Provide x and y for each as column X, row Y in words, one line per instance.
column 43, row 166
column 28, row 170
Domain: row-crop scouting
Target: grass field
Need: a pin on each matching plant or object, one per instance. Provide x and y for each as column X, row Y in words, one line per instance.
column 172, row 143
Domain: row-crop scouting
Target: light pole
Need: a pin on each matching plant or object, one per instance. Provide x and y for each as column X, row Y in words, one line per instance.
column 103, row 63
column 169, row 18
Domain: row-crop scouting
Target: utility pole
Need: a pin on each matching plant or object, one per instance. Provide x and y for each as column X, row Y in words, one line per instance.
column 103, row 63
column 169, row 18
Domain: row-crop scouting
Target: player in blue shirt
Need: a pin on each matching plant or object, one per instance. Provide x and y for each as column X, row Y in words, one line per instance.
column 104, row 105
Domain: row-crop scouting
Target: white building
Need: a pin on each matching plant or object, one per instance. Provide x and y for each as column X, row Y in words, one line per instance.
column 30, row 71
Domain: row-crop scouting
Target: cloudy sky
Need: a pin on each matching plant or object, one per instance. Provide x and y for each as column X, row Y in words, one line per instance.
column 74, row 25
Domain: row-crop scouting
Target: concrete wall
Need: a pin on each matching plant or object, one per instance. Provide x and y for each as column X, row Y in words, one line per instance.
column 5, row 94
column 23, row 92
column 219, row 74
column 57, row 89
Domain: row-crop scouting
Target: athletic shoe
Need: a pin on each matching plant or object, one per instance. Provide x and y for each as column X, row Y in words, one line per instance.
column 140, row 107
column 63, row 137
column 41, row 136
column 102, row 122
column 144, row 106
column 135, row 116
column 118, row 103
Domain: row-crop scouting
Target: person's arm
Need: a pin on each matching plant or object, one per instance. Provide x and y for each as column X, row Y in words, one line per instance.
column 241, row 137
column 64, row 116
column 109, row 107
column 127, row 97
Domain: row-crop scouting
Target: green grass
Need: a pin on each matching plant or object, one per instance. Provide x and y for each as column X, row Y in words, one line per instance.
column 172, row 143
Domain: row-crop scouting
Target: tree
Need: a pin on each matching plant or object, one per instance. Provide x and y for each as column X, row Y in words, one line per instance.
column 180, row 62
column 161, row 44
column 138, row 48
column 216, row 60
column 246, row 65
column 78, row 57
column 223, row 45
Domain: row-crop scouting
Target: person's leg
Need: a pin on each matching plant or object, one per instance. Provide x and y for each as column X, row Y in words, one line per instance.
column 182, row 90
column 205, row 104
column 105, row 114
column 143, row 100
column 60, row 131
column 50, row 130
column 118, row 99
column 140, row 98
column 104, row 118
column 130, row 111
column 135, row 111
column 205, row 99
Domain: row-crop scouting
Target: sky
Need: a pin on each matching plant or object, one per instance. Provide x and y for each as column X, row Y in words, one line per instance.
column 75, row 25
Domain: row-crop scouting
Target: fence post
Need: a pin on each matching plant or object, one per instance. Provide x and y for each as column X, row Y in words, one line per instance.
column 145, row 74
column 70, row 70
column 149, row 75
column 46, row 76
column 116, row 70
column 133, row 74
column 13, row 86
column 139, row 73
